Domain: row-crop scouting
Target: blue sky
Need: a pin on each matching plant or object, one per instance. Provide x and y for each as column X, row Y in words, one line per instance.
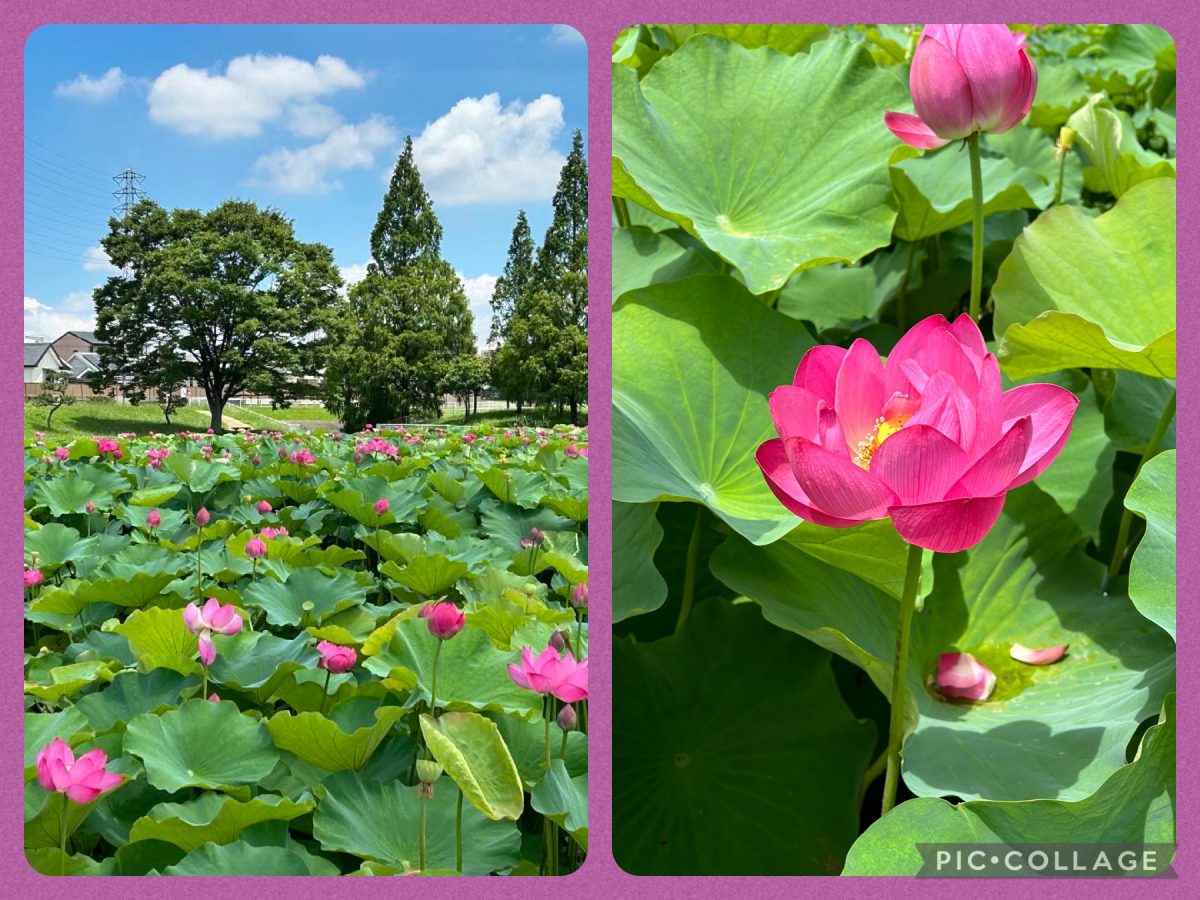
column 308, row 119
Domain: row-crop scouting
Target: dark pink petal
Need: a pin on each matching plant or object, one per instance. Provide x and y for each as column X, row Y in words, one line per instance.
column 942, row 351
column 970, row 338
column 221, row 617
column 1052, row 409
column 1020, row 103
column 992, row 62
column 940, row 90
column 830, row 434
column 211, row 608
column 894, row 378
column 947, row 526
column 88, row 763
column 818, row 370
column 912, row 130
column 81, row 794
column 1042, row 657
column 518, row 675
column 208, row 650
column 989, row 406
column 836, row 486
column 795, row 412
column 191, row 617
column 60, row 777
column 947, row 409
column 772, row 459
column 946, row 35
column 859, row 397
column 919, row 464
column 993, row 472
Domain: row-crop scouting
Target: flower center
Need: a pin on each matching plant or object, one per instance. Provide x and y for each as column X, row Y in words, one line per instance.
column 883, row 429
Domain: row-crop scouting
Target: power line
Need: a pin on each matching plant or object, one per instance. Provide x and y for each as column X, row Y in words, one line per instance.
column 73, row 162
column 60, row 226
column 40, row 179
column 65, row 195
column 55, row 213
column 60, row 172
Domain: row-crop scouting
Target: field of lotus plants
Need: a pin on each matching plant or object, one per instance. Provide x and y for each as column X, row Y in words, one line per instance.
column 893, row 444
column 307, row 654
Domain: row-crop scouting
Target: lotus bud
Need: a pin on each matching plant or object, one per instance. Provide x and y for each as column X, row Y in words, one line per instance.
column 558, row 642
column 428, row 770
column 203, row 517
column 567, row 719
column 579, row 595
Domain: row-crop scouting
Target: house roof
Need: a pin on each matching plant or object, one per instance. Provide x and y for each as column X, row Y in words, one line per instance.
column 35, row 352
column 89, row 336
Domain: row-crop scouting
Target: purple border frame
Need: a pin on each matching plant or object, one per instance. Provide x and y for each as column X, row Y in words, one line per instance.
column 599, row 22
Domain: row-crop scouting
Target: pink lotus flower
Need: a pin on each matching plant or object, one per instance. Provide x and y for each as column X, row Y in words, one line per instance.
column 336, row 658
column 270, row 533
column 223, row 619
column 107, row 446
column 62, row 453
column 33, row 577
column 203, row 517
column 469, row 437
column 256, row 459
column 535, row 538
column 264, row 507
column 549, row 673
column 963, row 676
column 965, row 79
column 153, row 519
column 255, row 548
column 1041, row 657
column 579, row 595
column 445, row 620
column 381, row 506
column 930, row 439
column 90, row 507
column 303, row 458
column 82, row 780
column 213, row 698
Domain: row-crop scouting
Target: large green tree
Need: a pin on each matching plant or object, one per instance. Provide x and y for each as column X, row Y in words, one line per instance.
column 405, row 322
column 553, row 312
column 508, row 331
column 228, row 298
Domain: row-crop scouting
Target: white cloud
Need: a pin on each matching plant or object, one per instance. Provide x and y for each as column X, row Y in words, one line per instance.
column 312, row 120
column 564, row 36
column 93, row 90
column 96, row 260
column 49, row 322
column 353, row 273
column 307, row 170
column 479, row 294
column 482, row 152
column 252, row 92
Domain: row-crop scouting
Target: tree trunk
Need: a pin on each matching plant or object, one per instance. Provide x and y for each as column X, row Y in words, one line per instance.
column 475, row 400
column 520, row 405
column 574, row 410
column 216, row 408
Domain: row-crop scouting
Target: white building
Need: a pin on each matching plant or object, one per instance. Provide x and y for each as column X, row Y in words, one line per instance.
column 40, row 358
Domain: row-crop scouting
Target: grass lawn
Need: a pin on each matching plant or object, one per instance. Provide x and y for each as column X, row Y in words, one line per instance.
column 537, row 417
column 107, row 419
column 291, row 414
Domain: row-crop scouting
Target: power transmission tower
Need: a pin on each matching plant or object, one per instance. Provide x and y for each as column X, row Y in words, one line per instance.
column 127, row 192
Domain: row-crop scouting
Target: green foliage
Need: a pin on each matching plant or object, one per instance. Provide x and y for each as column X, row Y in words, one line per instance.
column 229, row 298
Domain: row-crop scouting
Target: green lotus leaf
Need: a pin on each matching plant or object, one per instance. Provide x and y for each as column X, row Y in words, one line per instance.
column 472, row 673
column 784, row 38
column 563, row 800
column 704, row 729
column 212, row 817
column 380, row 821
column 642, row 256
column 429, row 575
column 526, row 741
column 201, row 744
column 1096, row 292
column 42, row 728
column 155, row 495
column 56, row 544
column 513, row 485
column 716, row 162
column 130, row 695
column 1118, row 161
column 160, row 639
column 241, row 859
column 473, row 753
column 319, row 741
column 66, row 494
column 1135, row 805
column 260, row 661
column 284, row 601
column 637, row 585
column 934, row 190
column 693, row 363
column 66, row 681
column 1028, row 582
column 1152, row 570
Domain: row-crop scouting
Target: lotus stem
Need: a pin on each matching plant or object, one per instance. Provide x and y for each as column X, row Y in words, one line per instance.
column 548, row 714
column 458, row 845
column 977, row 227
column 622, row 211
column 1062, row 165
column 325, row 692
column 437, row 652
column 62, row 859
column 903, row 292
column 908, row 603
column 421, row 840
column 1151, row 450
column 689, row 573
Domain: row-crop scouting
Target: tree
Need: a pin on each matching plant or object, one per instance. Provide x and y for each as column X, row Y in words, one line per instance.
column 172, row 397
column 464, row 377
column 405, row 321
column 56, row 393
column 228, row 298
column 407, row 230
column 508, row 374
column 554, row 309
column 389, row 353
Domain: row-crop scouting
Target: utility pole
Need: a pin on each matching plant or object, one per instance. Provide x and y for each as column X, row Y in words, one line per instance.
column 128, row 191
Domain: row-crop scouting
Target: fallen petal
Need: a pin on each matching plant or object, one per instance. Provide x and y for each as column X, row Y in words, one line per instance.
column 1042, row 657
